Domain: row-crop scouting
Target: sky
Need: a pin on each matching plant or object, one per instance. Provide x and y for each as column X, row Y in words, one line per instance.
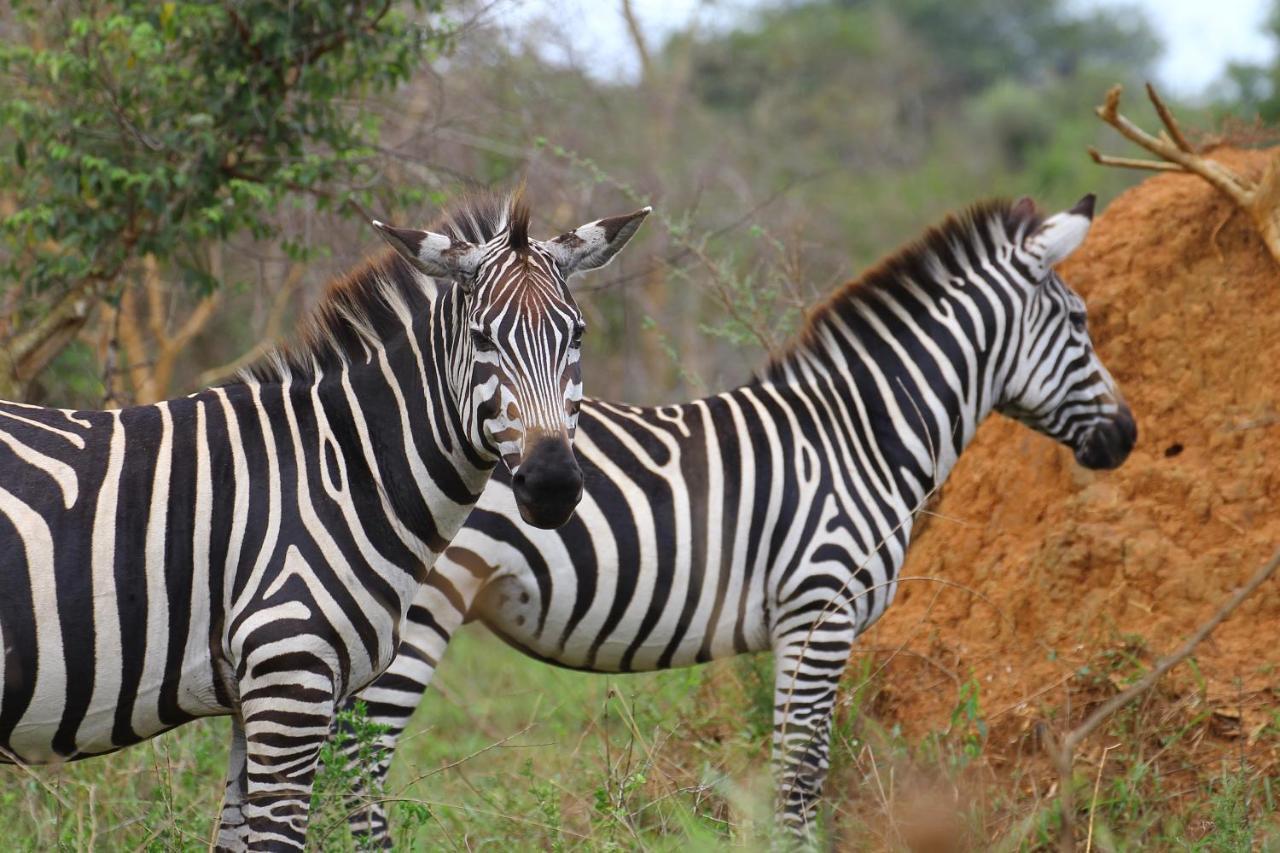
column 1200, row 36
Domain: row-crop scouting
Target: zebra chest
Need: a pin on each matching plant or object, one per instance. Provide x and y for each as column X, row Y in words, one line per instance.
column 327, row 604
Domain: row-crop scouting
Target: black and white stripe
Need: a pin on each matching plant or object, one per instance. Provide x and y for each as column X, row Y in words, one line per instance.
column 253, row 549
column 777, row 515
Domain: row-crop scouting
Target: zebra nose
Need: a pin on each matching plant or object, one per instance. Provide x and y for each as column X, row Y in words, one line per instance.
column 548, row 484
column 1109, row 444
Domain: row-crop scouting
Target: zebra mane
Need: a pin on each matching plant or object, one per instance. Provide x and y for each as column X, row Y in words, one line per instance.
column 977, row 231
column 365, row 308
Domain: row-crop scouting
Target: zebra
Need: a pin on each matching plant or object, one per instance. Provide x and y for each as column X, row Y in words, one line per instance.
column 252, row 549
column 776, row 516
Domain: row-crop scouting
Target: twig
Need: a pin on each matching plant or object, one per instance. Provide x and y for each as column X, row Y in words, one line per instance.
column 637, row 39
column 13, row 759
column 1132, row 162
column 1259, row 199
column 1063, row 752
column 1093, row 804
column 1123, row 698
column 1166, row 118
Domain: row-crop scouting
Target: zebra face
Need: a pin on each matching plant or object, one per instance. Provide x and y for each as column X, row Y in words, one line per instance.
column 1058, row 385
column 524, row 336
column 517, row 357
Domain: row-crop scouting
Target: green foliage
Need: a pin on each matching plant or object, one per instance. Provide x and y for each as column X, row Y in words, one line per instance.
column 870, row 119
column 548, row 800
column 1229, row 806
column 1257, row 84
column 968, row 724
column 139, row 127
column 920, row 54
column 984, row 41
column 339, row 781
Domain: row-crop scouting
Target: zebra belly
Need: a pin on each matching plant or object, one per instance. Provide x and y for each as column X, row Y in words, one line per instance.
column 98, row 732
column 510, row 606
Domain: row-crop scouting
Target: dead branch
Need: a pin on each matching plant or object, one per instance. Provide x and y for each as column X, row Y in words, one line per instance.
column 637, row 39
column 1063, row 752
column 1260, row 199
column 151, row 350
column 130, row 340
column 109, row 355
column 30, row 350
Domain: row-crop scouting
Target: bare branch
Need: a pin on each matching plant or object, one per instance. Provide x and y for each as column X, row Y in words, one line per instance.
column 1177, row 154
column 1106, row 709
column 29, row 351
column 637, row 39
column 1133, row 162
column 130, row 338
column 71, row 309
column 1222, row 178
column 1167, row 119
column 1063, row 752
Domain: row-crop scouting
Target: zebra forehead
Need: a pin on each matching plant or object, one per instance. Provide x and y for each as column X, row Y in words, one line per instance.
column 529, row 285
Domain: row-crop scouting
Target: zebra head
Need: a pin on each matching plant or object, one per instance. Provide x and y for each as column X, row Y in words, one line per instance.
column 1058, row 385
column 516, row 351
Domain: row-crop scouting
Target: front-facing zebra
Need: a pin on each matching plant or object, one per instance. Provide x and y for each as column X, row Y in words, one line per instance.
column 777, row 515
column 253, row 549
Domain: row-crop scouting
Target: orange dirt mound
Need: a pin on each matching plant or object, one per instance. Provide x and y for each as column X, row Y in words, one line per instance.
column 1046, row 566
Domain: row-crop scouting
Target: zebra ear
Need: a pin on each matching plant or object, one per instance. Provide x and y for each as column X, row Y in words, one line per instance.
column 593, row 245
column 434, row 254
column 1059, row 236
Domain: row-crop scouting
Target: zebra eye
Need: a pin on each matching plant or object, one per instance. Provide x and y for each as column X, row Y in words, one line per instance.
column 578, row 331
column 482, row 342
column 1077, row 319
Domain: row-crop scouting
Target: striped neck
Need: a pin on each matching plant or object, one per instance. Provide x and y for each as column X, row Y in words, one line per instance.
column 917, row 351
column 396, row 417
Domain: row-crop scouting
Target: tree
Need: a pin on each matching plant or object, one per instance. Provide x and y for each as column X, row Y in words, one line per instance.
column 139, row 130
column 1258, row 84
column 939, row 50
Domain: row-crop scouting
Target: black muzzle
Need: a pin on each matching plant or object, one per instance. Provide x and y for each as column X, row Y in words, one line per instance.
column 1107, row 445
column 548, row 484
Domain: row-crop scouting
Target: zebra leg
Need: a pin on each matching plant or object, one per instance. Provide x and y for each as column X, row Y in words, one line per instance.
column 232, row 829
column 807, row 669
column 285, row 725
column 392, row 698
column 389, row 703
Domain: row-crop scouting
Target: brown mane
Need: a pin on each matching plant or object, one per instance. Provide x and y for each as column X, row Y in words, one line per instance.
column 361, row 308
column 968, row 231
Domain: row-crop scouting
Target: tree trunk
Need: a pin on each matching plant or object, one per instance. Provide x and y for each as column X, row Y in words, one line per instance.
column 29, row 351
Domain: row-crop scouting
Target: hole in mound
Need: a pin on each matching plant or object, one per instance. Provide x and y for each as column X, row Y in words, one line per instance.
column 1172, row 450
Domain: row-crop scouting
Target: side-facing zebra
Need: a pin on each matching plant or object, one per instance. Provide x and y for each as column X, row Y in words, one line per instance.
column 777, row 515
column 253, row 549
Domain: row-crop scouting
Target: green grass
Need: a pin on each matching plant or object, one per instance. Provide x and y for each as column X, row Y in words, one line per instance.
column 160, row 795
column 511, row 754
